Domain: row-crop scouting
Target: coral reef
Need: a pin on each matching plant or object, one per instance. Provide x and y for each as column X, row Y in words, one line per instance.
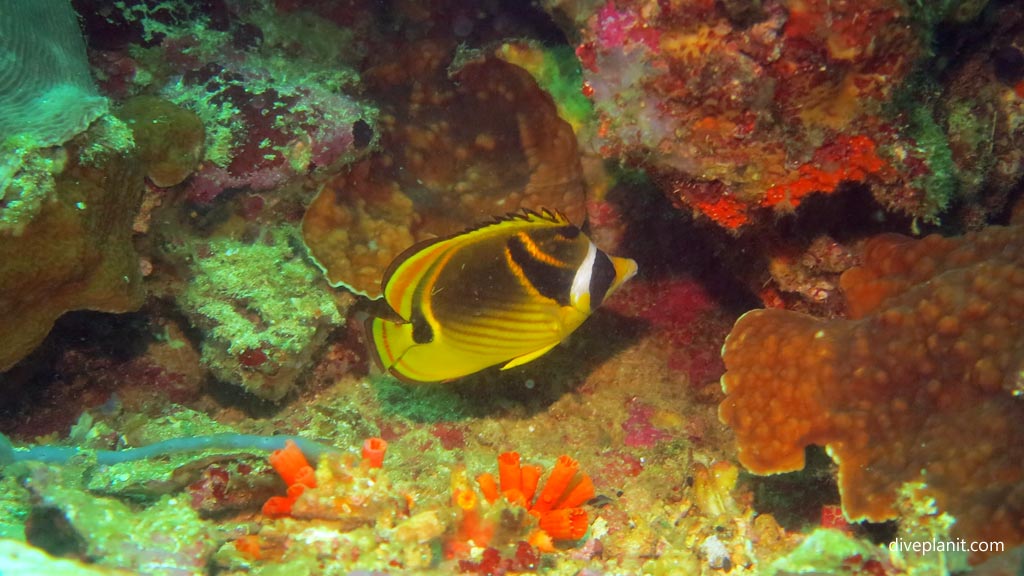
column 737, row 149
column 472, row 138
column 261, row 309
column 741, row 110
column 737, row 115
column 919, row 385
column 269, row 118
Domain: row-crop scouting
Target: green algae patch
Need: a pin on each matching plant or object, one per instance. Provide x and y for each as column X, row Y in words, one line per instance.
column 419, row 402
column 557, row 71
column 941, row 182
column 262, row 309
column 822, row 552
column 168, row 533
column 14, row 501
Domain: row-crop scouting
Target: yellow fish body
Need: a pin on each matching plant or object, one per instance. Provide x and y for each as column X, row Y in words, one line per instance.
column 503, row 293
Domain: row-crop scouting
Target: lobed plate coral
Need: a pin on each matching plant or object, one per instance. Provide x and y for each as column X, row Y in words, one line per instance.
column 46, row 97
column 921, row 384
column 45, row 87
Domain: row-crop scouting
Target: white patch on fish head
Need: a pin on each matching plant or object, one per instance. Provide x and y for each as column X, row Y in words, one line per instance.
column 579, row 294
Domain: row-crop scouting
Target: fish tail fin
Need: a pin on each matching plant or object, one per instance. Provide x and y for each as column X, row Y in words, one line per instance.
column 388, row 341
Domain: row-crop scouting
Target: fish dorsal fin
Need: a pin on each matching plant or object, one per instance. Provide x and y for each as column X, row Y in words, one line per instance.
column 409, row 267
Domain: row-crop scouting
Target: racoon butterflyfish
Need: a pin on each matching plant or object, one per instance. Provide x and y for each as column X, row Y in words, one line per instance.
column 502, row 293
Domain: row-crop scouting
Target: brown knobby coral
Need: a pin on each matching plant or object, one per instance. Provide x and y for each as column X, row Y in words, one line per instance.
column 922, row 384
column 465, row 143
column 169, row 138
column 75, row 254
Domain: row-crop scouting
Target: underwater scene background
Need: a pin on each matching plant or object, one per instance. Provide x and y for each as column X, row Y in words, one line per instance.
column 218, row 216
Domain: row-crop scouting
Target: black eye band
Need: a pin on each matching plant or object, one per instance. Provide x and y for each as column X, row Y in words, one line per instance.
column 601, row 278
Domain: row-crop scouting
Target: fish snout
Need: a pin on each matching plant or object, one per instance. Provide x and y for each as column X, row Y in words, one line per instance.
column 625, row 268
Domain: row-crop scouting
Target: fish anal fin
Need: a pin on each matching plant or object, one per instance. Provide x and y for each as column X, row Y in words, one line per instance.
column 528, row 357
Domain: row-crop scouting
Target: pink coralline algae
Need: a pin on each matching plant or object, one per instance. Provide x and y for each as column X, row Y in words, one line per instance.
column 730, row 110
column 686, row 318
column 623, row 28
column 640, row 431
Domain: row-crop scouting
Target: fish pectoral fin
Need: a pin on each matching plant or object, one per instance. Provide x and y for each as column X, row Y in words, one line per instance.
column 528, row 357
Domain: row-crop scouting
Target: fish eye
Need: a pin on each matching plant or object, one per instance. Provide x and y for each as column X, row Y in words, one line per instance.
column 568, row 232
column 422, row 331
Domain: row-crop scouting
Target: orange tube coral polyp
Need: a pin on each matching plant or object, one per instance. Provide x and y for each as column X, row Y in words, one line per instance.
column 509, row 473
column 298, row 475
column 562, row 474
column 296, row 490
column 289, row 462
column 373, row 452
column 305, row 477
column 580, row 493
column 565, row 524
column 277, row 506
column 530, row 475
column 488, row 486
column 515, row 497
